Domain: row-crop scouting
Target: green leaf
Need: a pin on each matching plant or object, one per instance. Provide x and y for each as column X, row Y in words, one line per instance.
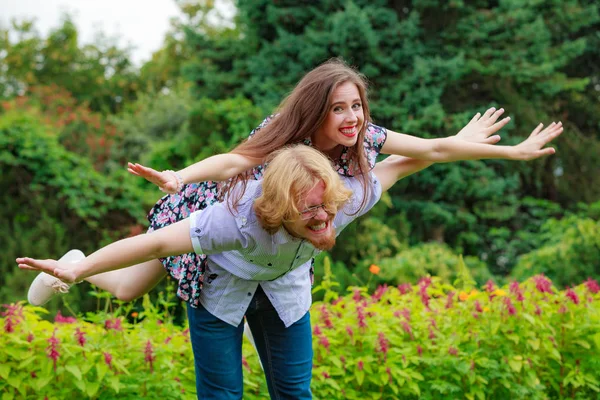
column 515, row 338
column 114, row 383
column 14, row 381
column 534, row 343
column 39, row 383
column 8, row 396
column 414, row 387
column 101, row 369
column 360, row 376
column 583, row 344
column 92, row 388
column 74, row 369
column 80, row 385
column 26, row 362
column 529, row 318
column 515, row 365
column 597, row 340
column 4, row 371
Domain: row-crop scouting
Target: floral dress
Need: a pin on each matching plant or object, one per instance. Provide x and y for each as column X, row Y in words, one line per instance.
column 188, row 269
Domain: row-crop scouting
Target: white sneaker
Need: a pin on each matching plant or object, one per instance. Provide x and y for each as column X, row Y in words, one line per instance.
column 44, row 286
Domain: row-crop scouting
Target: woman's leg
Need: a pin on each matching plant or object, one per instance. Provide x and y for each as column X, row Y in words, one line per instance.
column 125, row 284
column 217, row 348
column 128, row 284
column 286, row 353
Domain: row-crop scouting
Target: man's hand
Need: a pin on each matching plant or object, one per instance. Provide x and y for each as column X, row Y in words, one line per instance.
column 166, row 181
column 482, row 129
column 65, row 273
column 533, row 147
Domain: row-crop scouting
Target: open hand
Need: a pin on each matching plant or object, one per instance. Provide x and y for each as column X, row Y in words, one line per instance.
column 482, row 129
column 62, row 271
column 533, row 147
column 166, row 181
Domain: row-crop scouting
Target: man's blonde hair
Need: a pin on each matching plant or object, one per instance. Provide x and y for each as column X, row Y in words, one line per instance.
column 292, row 172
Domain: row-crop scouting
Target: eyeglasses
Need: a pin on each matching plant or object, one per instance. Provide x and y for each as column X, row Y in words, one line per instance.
column 310, row 212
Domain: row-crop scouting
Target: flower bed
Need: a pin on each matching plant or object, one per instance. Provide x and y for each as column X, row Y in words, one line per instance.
column 427, row 341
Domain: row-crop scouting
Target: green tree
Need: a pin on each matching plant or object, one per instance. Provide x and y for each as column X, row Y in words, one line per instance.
column 433, row 64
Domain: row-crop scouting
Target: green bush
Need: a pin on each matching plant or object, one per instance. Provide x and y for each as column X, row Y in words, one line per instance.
column 429, row 259
column 571, row 251
column 54, row 199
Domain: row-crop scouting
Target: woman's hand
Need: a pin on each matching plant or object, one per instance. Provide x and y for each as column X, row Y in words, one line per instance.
column 533, row 146
column 482, row 129
column 165, row 180
column 63, row 271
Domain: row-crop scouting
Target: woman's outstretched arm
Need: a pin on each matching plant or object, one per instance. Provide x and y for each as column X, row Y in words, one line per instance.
column 171, row 240
column 219, row 167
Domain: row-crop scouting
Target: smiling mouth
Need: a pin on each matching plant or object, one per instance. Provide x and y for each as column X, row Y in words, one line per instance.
column 348, row 131
column 319, row 228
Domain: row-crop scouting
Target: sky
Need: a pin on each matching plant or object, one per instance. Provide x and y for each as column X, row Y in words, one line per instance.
column 139, row 23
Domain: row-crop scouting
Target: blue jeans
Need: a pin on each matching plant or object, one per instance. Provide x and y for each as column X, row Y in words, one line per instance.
column 286, row 353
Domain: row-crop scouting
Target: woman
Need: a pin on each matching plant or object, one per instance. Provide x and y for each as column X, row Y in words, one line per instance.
column 328, row 109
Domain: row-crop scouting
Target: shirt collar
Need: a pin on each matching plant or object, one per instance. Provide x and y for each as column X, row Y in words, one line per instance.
column 282, row 236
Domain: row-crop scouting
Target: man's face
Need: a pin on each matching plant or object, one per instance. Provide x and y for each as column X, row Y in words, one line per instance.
column 314, row 223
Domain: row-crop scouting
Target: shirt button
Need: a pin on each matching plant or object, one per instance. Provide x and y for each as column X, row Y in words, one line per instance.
column 249, row 294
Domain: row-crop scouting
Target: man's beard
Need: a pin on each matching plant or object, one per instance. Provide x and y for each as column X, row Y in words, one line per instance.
column 325, row 243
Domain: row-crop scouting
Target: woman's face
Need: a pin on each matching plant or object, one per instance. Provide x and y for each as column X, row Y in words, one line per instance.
column 344, row 119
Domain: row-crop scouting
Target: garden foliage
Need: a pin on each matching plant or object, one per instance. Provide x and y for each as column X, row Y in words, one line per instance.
column 431, row 340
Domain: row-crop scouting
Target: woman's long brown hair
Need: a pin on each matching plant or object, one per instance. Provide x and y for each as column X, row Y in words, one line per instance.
column 299, row 117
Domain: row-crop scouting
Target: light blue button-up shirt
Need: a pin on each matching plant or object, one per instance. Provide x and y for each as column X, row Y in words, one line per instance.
column 241, row 255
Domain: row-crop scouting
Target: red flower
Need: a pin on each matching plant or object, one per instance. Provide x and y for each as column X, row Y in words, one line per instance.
column 542, row 284
column 509, row 306
column 431, row 333
column 423, row 285
column 419, row 350
column 572, row 296
column 379, row 292
column 13, row 314
column 350, row 331
column 80, row 335
column 326, row 317
column 478, row 307
column 361, row 317
column 114, row 324
column 60, row 319
column 562, row 309
column 515, row 289
column 453, row 351
column 323, row 341
column 383, row 344
column 52, row 350
column 30, row 337
column 592, row 286
column 316, row 330
column 108, row 359
column 407, row 329
column 149, row 355
column 449, row 300
column 489, row 286
column 404, row 288
column 325, row 375
column 244, row 363
column 360, row 365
